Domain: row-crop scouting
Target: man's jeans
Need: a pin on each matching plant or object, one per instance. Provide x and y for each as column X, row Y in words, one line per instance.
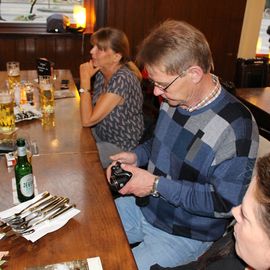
column 105, row 150
column 156, row 245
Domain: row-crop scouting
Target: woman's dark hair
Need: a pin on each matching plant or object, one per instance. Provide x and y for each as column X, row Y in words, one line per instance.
column 262, row 195
column 115, row 39
column 112, row 38
column 262, row 191
column 217, row 251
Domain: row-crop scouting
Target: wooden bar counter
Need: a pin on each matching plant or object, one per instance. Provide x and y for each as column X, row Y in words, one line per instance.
column 259, row 97
column 258, row 101
column 68, row 165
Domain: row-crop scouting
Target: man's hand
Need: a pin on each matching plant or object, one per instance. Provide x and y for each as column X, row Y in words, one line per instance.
column 126, row 158
column 123, row 157
column 141, row 182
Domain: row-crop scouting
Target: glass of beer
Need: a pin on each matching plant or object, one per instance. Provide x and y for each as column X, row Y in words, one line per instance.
column 7, row 117
column 46, row 95
column 48, row 120
column 13, row 71
column 28, row 93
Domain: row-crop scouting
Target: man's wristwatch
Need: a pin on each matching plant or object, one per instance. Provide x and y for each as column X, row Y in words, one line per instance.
column 154, row 191
column 82, row 90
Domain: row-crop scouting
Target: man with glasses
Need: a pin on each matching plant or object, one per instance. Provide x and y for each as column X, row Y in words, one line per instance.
column 199, row 161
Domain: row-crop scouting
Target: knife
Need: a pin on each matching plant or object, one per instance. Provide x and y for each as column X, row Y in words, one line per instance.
column 54, row 215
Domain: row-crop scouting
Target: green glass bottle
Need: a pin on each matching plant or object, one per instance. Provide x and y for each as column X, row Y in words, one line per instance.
column 23, row 174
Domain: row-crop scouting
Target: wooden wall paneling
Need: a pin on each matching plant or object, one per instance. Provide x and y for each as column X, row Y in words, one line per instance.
column 50, row 49
column 137, row 23
column 62, row 52
column 7, row 49
column 41, row 47
column 30, row 51
column 131, row 22
column 101, row 13
column 20, row 53
column 85, row 49
column 220, row 21
column 67, row 51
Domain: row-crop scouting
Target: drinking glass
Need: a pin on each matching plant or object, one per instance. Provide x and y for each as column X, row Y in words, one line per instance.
column 13, row 71
column 7, row 117
column 48, row 120
column 29, row 92
column 46, row 94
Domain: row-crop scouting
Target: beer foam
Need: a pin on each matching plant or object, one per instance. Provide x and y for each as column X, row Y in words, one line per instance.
column 14, row 72
column 5, row 98
column 46, row 86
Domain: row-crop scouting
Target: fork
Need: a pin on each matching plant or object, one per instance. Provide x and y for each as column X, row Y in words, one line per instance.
column 41, row 214
column 45, row 195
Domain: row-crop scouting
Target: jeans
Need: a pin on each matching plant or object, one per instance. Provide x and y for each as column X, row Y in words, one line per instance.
column 156, row 246
column 105, row 150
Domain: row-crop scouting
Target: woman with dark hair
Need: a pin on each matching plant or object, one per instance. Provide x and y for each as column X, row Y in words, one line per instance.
column 115, row 110
column 248, row 246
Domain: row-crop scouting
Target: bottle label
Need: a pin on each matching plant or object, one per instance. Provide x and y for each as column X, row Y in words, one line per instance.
column 21, row 151
column 26, row 185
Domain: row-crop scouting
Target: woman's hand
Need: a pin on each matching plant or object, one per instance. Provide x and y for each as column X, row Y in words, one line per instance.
column 87, row 71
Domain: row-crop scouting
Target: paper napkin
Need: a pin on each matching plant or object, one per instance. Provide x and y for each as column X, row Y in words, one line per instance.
column 45, row 227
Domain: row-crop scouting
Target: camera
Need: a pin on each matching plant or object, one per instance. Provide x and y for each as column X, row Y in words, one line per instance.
column 119, row 177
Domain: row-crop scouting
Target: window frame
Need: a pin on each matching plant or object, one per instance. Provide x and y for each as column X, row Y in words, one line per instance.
column 41, row 28
column 39, row 9
column 263, row 34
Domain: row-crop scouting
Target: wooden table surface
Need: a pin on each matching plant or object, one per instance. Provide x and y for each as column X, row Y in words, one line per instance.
column 259, row 97
column 67, row 135
column 69, row 168
column 258, row 101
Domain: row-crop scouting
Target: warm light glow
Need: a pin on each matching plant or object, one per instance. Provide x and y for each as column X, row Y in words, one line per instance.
column 92, row 18
column 79, row 15
column 55, row 143
column 259, row 45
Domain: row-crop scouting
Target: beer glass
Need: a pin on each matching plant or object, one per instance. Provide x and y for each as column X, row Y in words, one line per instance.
column 28, row 95
column 13, row 71
column 48, row 120
column 7, row 117
column 46, row 94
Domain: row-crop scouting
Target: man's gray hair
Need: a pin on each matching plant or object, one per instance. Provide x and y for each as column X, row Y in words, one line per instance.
column 175, row 46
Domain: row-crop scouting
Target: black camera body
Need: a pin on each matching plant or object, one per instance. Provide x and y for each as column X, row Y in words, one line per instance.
column 119, row 177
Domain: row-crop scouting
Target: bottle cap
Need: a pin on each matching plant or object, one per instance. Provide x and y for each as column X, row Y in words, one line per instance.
column 20, row 142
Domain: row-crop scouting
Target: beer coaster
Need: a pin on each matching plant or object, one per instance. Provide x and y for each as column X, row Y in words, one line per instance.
column 14, row 190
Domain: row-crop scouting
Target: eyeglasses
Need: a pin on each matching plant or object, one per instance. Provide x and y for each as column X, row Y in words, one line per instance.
column 164, row 88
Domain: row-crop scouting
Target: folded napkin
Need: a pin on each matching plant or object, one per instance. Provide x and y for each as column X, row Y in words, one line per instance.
column 26, row 112
column 45, row 227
